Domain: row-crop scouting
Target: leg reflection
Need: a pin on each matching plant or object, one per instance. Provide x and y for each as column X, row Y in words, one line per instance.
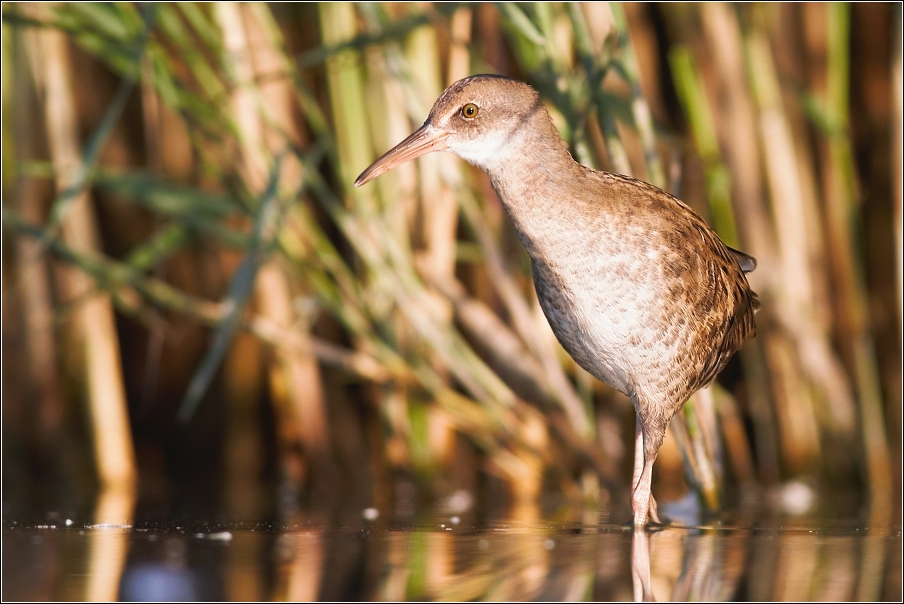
column 640, row 566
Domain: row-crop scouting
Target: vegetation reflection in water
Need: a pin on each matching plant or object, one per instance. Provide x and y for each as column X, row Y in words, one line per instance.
column 447, row 559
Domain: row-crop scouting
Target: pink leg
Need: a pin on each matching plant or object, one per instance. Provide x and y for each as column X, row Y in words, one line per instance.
column 642, row 503
column 638, row 453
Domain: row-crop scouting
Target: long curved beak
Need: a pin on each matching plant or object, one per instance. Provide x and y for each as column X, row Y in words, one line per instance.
column 424, row 140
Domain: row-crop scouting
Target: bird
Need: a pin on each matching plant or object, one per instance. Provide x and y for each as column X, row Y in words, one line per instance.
column 635, row 285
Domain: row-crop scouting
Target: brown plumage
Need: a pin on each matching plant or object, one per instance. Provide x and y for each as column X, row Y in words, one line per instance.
column 637, row 288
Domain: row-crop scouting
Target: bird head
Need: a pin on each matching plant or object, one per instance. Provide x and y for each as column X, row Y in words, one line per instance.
column 481, row 119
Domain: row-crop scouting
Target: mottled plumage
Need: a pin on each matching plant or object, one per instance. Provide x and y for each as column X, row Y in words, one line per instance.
column 637, row 288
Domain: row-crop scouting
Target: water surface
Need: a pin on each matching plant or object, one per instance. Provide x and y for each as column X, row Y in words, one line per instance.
column 447, row 558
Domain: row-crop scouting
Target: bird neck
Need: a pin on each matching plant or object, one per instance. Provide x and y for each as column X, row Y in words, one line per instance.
column 534, row 145
column 538, row 182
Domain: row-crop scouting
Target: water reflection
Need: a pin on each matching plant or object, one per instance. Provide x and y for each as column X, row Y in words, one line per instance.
column 444, row 561
column 109, row 543
column 640, row 566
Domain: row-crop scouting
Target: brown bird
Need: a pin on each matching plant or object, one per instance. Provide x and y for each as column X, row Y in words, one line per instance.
column 635, row 285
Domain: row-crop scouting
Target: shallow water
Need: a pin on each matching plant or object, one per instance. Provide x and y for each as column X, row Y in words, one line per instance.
column 445, row 558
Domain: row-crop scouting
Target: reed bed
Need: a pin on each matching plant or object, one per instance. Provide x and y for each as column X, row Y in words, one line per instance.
column 189, row 270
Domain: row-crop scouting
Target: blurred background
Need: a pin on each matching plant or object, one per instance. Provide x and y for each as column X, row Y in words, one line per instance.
column 203, row 316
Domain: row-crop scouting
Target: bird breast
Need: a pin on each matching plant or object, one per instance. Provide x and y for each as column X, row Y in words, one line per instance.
column 609, row 307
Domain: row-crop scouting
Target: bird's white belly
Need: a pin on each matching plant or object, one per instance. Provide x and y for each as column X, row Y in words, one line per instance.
column 610, row 327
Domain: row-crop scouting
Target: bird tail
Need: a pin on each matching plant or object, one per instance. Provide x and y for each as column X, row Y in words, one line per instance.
column 745, row 261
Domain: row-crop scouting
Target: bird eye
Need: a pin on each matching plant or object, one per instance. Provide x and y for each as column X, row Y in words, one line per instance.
column 469, row 111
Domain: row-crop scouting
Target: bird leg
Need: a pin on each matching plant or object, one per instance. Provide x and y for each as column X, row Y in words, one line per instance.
column 638, row 453
column 642, row 503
